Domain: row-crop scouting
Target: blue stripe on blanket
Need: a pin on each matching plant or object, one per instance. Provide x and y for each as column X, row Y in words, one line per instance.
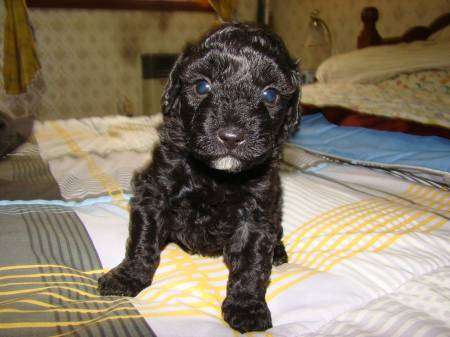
column 361, row 145
column 86, row 202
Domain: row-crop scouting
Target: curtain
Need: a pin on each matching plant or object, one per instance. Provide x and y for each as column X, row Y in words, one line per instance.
column 224, row 8
column 20, row 59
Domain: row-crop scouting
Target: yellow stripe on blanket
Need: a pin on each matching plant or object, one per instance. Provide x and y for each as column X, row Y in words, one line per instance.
column 39, row 275
column 83, row 284
column 431, row 198
column 38, row 266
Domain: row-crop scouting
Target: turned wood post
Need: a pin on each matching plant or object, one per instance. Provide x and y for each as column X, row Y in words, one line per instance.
column 369, row 36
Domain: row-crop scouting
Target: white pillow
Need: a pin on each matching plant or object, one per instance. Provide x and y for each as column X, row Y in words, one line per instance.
column 375, row 64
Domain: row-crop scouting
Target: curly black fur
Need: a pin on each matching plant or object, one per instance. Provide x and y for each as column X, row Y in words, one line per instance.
column 191, row 195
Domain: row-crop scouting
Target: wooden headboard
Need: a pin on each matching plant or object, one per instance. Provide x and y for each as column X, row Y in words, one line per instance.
column 369, row 35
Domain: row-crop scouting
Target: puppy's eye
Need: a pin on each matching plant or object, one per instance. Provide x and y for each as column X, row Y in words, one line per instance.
column 270, row 96
column 202, row 87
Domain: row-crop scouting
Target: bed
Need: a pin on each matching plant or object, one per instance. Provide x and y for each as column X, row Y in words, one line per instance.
column 368, row 237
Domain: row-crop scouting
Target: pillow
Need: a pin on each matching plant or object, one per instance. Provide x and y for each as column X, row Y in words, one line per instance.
column 375, row 64
column 373, row 147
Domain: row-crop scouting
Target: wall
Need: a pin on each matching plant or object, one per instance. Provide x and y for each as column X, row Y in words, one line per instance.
column 91, row 58
column 290, row 19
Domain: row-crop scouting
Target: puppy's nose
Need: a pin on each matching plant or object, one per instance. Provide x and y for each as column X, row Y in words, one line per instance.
column 231, row 137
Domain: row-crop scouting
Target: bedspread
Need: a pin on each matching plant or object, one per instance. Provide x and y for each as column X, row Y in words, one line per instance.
column 422, row 97
column 369, row 253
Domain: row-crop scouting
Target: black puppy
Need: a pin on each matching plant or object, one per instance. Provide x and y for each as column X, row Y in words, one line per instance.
column 213, row 187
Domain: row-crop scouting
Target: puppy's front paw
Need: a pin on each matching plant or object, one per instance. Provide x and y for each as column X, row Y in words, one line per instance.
column 245, row 317
column 116, row 283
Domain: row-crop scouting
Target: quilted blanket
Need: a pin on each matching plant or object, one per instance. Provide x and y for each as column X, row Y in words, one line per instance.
column 369, row 251
column 422, row 97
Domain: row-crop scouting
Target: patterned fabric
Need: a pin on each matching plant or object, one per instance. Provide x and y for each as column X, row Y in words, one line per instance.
column 25, row 176
column 419, row 308
column 98, row 135
column 297, row 158
column 407, row 97
column 80, row 153
column 20, row 58
column 354, row 236
column 428, row 82
column 48, row 278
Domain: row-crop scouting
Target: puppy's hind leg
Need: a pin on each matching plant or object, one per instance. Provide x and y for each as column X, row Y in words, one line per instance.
column 146, row 239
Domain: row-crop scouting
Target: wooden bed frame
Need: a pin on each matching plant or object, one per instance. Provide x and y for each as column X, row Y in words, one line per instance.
column 369, row 35
column 157, row 5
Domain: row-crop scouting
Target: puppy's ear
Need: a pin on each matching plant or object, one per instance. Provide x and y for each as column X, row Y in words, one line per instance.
column 294, row 113
column 170, row 101
column 170, row 98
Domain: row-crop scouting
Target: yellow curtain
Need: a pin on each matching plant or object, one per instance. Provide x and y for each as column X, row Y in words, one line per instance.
column 224, row 8
column 20, row 63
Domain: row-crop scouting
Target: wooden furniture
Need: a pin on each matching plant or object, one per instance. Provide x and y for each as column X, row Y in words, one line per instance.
column 165, row 5
column 369, row 35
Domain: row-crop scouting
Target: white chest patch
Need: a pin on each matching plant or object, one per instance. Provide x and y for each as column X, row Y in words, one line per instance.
column 227, row 163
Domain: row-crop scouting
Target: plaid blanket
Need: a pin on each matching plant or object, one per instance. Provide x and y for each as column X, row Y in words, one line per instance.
column 48, row 278
column 360, row 242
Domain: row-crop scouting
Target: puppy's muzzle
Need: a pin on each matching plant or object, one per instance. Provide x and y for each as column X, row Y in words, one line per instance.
column 231, row 137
